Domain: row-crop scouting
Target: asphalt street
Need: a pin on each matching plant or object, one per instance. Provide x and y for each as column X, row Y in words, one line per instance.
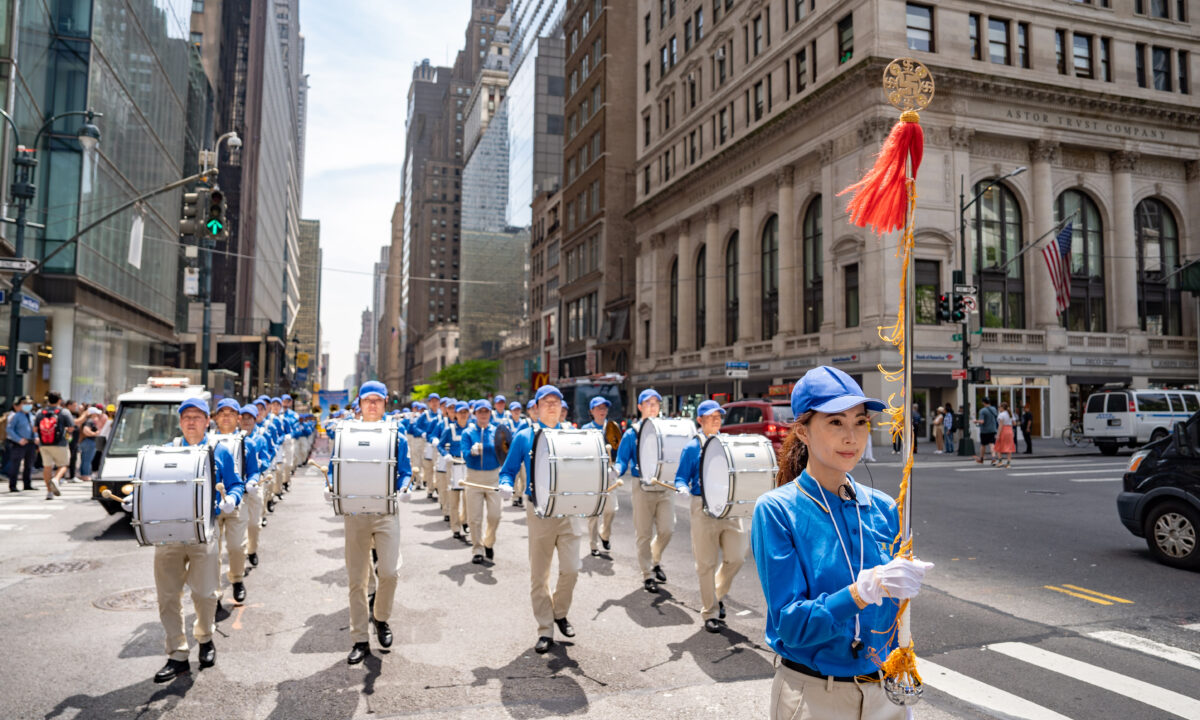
column 1041, row 606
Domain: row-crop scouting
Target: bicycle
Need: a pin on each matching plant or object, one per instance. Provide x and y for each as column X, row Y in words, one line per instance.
column 1073, row 436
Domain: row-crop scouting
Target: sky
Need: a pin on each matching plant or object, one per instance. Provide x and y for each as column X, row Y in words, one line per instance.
column 359, row 56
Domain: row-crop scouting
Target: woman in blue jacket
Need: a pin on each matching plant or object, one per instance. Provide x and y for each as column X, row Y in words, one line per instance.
column 483, row 469
column 450, row 447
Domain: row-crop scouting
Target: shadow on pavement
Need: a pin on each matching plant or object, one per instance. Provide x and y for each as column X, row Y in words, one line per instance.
column 147, row 641
column 336, row 576
column 650, row 610
column 330, row 693
column 325, row 633
column 727, row 656
column 145, row 700
column 533, row 686
column 481, row 574
column 108, row 528
column 333, row 553
column 601, row 564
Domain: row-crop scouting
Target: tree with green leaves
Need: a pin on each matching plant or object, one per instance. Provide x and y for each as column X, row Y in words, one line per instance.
column 470, row 379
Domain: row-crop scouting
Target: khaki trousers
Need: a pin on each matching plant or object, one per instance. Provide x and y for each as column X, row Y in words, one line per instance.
column 600, row 527
column 442, row 485
column 416, row 452
column 458, row 509
column 253, row 503
column 427, row 474
column 653, row 524
column 231, row 529
column 383, row 531
column 710, row 536
column 519, row 483
column 199, row 566
column 546, row 535
column 795, row 696
column 477, row 502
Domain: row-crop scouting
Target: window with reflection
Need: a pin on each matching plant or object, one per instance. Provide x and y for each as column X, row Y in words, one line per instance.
column 770, row 278
column 731, row 290
column 674, row 331
column 813, row 264
column 998, row 239
column 1157, row 237
column 1086, row 313
column 701, row 260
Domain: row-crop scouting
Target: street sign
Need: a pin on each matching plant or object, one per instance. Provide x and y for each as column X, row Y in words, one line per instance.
column 302, row 360
column 960, row 374
column 956, row 337
column 969, row 303
column 736, row 365
column 29, row 303
column 21, row 265
column 737, row 373
column 966, row 290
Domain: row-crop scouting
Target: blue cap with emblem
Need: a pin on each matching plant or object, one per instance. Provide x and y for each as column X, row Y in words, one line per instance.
column 250, row 409
column 829, row 390
column 708, row 407
column 545, row 390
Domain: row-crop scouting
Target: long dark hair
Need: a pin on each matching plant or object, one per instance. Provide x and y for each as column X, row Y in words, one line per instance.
column 793, row 457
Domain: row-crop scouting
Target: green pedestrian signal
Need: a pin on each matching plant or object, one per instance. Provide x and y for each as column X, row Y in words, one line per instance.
column 215, row 222
column 215, row 227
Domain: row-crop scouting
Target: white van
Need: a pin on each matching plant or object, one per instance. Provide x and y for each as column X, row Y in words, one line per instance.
column 146, row 415
column 1114, row 418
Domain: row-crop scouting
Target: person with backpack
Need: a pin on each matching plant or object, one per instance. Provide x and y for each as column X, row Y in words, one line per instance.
column 52, row 425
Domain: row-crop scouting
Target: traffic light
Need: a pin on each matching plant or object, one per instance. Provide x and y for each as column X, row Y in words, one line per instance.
column 943, row 311
column 959, row 313
column 190, row 224
column 979, row 375
column 215, row 226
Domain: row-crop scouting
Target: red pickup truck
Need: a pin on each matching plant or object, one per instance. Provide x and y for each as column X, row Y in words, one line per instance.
column 759, row 417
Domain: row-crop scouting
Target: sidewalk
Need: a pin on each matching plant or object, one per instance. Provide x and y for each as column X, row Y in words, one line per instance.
column 1042, row 449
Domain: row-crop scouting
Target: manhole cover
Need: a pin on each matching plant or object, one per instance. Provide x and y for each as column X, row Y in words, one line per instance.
column 61, row 568
column 1042, row 492
column 138, row 599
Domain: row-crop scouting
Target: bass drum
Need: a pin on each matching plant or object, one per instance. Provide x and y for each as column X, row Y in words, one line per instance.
column 734, row 471
column 570, row 472
column 173, row 495
column 364, row 469
column 660, row 445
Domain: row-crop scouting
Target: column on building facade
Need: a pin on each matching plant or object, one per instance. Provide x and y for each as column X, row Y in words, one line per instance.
column 748, row 268
column 658, row 276
column 62, row 339
column 1038, row 291
column 714, row 282
column 790, row 280
column 685, row 251
column 831, row 202
column 1122, row 249
column 960, row 140
column 1189, row 239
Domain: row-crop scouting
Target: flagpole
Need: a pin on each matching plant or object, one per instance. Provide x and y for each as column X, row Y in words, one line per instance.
column 1053, row 231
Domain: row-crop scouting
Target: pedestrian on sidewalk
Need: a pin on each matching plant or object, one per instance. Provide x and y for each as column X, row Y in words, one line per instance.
column 77, row 419
column 21, row 446
column 53, row 426
column 987, row 431
column 950, row 426
column 89, row 432
column 939, row 417
column 1027, row 429
column 1006, row 443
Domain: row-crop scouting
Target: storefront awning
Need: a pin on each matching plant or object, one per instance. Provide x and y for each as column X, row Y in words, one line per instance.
column 1098, row 379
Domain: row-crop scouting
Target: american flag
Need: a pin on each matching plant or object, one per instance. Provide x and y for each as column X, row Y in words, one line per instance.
column 1058, row 261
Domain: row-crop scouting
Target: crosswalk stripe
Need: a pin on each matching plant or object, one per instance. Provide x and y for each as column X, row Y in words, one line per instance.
column 1095, row 480
column 1026, row 466
column 11, row 527
column 1060, row 472
column 1143, row 692
column 1146, row 646
column 25, row 516
column 982, row 695
column 1192, row 626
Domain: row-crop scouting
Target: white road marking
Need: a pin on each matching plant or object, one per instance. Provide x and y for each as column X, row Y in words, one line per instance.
column 11, row 527
column 1176, row 655
column 1091, row 480
column 1143, row 692
column 1027, row 466
column 982, row 695
column 24, row 516
column 1192, row 626
column 1059, row 472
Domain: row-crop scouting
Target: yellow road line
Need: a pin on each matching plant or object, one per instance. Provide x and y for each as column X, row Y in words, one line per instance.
column 1098, row 601
column 1123, row 601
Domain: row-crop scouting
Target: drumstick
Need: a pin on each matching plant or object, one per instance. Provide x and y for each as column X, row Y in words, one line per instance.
column 656, row 481
column 109, row 495
column 477, row 485
column 615, row 485
column 323, row 470
column 221, row 489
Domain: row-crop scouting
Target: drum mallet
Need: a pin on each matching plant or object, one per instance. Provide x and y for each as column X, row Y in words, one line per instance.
column 109, row 495
column 323, row 470
column 614, row 486
column 668, row 486
column 477, row 485
column 221, row 489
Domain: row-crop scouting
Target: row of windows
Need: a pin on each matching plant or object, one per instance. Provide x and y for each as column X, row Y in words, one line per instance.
column 1160, row 9
column 585, row 205
column 1161, row 75
column 587, row 154
column 582, row 318
column 587, row 110
column 590, row 61
column 583, row 258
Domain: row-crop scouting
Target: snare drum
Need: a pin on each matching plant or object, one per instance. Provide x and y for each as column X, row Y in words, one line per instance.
column 428, row 453
column 173, row 495
column 570, row 473
column 660, row 445
column 734, row 471
column 237, row 448
column 364, row 469
column 458, row 473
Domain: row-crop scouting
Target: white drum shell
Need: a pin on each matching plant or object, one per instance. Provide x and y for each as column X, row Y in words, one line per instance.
column 734, row 471
column 570, row 473
column 458, row 473
column 364, row 469
column 173, row 495
column 234, row 443
column 660, row 445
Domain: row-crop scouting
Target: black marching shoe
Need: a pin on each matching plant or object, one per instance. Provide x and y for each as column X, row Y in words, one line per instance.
column 518, row 502
column 264, row 521
column 650, row 585
column 172, row 670
column 659, row 575
column 712, row 625
column 595, row 553
column 270, row 508
column 239, row 591
column 543, row 645
column 208, row 654
column 490, row 552
column 720, row 609
column 477, row 560
column 605, row 544
column 458, row 536
column 445, row 518
column 565, row 627
column 383, row 633
column 466, row 529
column 358, row 653
column 253, row 558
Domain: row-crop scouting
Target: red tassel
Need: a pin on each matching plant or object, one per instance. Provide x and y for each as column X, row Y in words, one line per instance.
column 881, row 197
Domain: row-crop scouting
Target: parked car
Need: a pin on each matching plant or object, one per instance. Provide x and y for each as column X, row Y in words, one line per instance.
column 1114, row 418
column 759, row 417
column 1160, row 500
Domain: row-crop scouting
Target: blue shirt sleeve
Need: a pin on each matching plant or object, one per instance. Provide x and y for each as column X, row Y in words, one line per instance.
column 403, row 466
column 688, row 475
column 518, row 453
column 250, row 470
column 627, row 454
column 226, row 474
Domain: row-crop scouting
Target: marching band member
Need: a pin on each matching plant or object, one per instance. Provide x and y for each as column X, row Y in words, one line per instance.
column 514, row 417
column 451, row 447
column 823, row 543
column 546, row 535
column 499, row 410
column 564, row 418
column 416, row 442
column 479, row 450
column 522, row 482
column 424, row 425
column 710, row 536
column 380, row 532
column 600, row 528
column 232, row 526
column 653, row 512
column 197, row 566
column 433, row 433
column 256, row 448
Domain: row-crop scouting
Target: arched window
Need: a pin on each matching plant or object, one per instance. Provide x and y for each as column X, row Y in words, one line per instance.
column 998, row 239
column 770, row 278
column 814, row 258
column 1086, row 313
column 731, row 290
column 701, row 259
column 674, row 336
column 1158, row 254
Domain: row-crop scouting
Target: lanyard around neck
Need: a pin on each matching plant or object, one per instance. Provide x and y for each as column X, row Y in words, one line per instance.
column 846, row 551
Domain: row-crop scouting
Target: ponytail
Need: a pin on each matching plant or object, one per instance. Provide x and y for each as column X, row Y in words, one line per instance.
column 793, row 457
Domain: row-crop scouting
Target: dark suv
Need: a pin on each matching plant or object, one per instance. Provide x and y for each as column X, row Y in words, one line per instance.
column 1161, row 496
column 759, row 417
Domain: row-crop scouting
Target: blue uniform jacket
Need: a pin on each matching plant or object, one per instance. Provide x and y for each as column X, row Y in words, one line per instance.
column 403, row 466
column 805, row 579
column 627, row 454
column 688, row 475
column 486, row 459
column 520, row 452
column 254, row 458
column 450, row 444
column 434, row 432
column 225, row 474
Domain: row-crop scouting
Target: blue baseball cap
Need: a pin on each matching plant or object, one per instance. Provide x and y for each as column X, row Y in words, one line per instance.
column 197, row 403
column 482, row 405
column 709, row 406
column 647, row 394
column 260, row 401
column 250, row 409
column 566, row 406
column 461, row 406
column 285, row 396
column 597, row 402
column 514, row 405
column 531, row 404
column 545, row 390
column 499, row 399
column 276, row 400
column 433, row 396
column 450, row 401
column 229, row 403
column 373, row 387
column 829, row 390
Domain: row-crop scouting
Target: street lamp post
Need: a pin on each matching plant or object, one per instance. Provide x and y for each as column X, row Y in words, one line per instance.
column 24, row 190
column 208, row 244
column 967, row 446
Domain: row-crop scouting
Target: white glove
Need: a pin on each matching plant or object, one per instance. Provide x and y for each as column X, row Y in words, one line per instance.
column 477, row 449
column 506, row 493
column 613, row 475
column 127, row 503
column 228, row 505
column 328, row 496
column 405, row 495
column 682, row 490
column 251, row 486
column 899, row 579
